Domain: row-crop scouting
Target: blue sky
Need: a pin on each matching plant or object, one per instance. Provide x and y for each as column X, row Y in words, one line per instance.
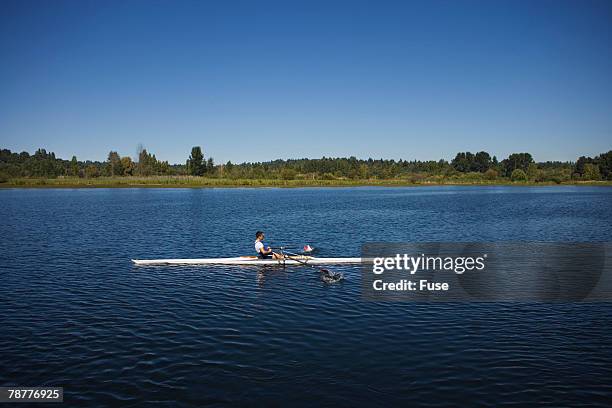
column 259, row 80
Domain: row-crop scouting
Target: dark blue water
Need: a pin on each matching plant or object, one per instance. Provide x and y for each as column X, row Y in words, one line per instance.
column 76, row 313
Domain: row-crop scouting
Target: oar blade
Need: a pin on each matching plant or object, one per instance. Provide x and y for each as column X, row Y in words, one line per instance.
column 330, row 277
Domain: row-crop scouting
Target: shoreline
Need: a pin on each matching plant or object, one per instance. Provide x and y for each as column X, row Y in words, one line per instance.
column 191, row 182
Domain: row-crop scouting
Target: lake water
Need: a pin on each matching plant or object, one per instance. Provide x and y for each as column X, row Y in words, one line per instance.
column 76, row 313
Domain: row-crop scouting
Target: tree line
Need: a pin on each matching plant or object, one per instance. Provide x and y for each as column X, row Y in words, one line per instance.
column 466, row 165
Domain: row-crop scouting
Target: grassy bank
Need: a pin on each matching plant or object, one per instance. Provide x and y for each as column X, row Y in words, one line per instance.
column 202, row 182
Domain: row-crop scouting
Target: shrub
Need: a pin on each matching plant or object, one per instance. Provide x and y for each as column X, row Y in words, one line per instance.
column 518, row 175
column 490, row 174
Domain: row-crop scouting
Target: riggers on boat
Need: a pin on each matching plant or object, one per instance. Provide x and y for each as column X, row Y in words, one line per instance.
column 250, row 260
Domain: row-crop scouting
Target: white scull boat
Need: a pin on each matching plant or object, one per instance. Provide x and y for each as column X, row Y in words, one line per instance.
column 250, row 260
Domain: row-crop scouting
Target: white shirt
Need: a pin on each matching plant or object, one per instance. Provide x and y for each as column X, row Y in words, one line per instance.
column 258, row 247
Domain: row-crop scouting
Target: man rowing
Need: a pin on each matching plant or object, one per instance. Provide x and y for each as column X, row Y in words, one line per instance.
column 262, row 251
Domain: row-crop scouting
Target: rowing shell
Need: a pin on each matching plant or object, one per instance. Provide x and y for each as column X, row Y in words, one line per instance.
column 250, row 260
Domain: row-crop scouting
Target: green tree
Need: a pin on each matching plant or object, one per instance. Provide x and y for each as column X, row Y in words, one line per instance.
column 128, row 166
column 288, row 174
column 145, row 163
column 532, row 171
column 463, row 162
column 516, row 161
column 591, row 172
column 114, row 164
column 74, row 166
column 195, row 164
column 482, row 162
column 210, row 166
column 163, row 167
column 91, row 171
column 363, row 172
column 228, row 169
column 580, row 163
column 604, row 161
column 148, row 164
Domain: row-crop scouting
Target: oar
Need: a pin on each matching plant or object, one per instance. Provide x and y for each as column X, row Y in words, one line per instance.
column 306, row 248
column 333, row 275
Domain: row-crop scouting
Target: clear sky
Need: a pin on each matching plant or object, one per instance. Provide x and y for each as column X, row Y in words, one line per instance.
column 259, row 80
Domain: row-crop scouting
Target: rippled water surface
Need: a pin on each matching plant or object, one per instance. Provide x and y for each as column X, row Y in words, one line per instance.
column 76, row 313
